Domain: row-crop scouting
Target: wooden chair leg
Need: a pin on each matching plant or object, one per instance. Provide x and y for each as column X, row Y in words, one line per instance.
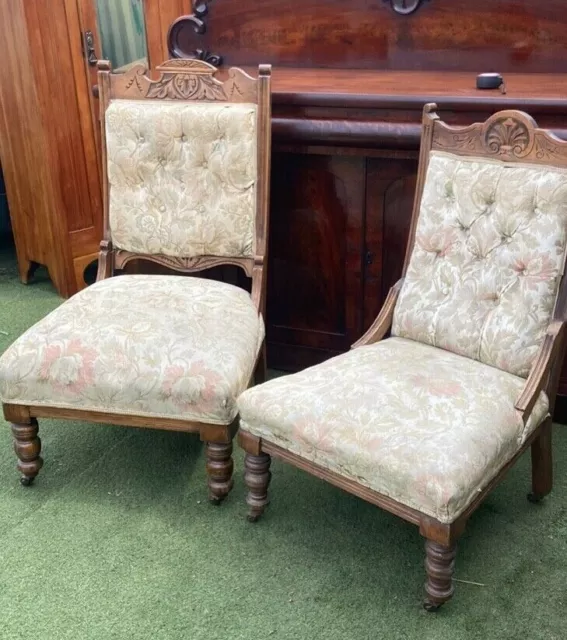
column 219, row 470
column 27, row 446
column 257, row 477
column 542, row 465
column 439, row 564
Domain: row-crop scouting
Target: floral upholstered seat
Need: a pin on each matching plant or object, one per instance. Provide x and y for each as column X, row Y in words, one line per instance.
column 425, row 422
column 156, row 346
column 421, row 425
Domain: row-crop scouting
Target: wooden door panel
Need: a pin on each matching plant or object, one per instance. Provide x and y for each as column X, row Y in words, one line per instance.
column 316, row 240
column 389, row 203
column 158, row 16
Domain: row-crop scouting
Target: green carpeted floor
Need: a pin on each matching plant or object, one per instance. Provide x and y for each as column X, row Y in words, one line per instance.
column 116, row 540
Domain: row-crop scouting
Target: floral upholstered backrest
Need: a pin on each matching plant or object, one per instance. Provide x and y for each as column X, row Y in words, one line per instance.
column 182, row 177
column 489, row 252
column 182, row 161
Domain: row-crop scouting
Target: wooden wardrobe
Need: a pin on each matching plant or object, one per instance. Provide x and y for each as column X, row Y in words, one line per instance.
column 49, row 136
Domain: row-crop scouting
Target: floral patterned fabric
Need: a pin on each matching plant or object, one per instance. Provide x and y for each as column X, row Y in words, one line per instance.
column 421, row 425
column 484, row 272
column 182, row 177
column 163, row 346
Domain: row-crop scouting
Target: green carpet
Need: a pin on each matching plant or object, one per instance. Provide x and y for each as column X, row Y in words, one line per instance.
column 116, row 540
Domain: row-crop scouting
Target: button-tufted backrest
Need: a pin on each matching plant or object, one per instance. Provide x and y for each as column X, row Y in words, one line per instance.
column 488, row 255
column 182, row 177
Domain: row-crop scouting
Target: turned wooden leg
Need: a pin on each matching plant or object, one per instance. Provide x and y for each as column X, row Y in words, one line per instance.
column 542, row 465
column 257, row 477
column 219, row 470
column 439, row 564
column 27, row 446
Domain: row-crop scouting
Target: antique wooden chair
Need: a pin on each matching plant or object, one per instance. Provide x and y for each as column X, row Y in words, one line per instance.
column 426, row 422
column 186, row 178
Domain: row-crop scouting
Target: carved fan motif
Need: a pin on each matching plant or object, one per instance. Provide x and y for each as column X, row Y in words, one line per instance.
column 508, row 137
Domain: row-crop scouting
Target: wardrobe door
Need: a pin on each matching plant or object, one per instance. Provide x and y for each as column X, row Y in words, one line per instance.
column 47, row 141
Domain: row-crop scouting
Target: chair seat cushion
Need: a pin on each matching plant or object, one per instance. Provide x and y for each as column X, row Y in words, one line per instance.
column 149, row 345
column 424, row 426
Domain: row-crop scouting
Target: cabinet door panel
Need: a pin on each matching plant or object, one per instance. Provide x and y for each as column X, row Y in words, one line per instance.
column 315, row 285
column 389, row 202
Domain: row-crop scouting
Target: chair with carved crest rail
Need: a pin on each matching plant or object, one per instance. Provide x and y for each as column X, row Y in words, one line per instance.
column 186, row 162
column 425, row 422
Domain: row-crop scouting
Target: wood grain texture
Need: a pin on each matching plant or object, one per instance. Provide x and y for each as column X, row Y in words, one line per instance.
column 49, row 161
column 516, row 35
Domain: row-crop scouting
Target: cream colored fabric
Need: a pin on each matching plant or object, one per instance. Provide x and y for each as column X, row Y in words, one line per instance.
column 421, row 425
column 167, row 346
column 182, row 177
column 489, row 250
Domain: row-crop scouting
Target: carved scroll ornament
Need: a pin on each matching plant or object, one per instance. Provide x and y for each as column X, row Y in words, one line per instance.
column 197, row 21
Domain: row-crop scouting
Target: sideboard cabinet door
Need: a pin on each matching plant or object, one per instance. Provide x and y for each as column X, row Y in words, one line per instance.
column 315, row 284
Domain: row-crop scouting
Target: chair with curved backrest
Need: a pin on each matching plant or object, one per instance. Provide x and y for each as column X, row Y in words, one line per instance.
column 426, row 422
column 186, row 178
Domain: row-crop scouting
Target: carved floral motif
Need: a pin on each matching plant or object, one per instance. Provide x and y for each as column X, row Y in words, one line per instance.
column 185, row 87
column 189, row 265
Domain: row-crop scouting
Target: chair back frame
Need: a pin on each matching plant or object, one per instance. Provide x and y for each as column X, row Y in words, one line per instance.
column 193, row 80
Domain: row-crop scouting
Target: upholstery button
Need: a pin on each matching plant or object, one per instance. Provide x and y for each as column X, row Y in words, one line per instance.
column 445, row 291
column 183, row 138
column 162, row 208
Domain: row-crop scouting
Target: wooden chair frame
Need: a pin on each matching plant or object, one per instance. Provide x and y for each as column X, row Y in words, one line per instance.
column 494, row 138
column 178, row 80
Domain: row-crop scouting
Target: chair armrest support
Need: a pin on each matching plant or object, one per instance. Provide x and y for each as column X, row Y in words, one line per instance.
column 541, row 368
column 384, row 320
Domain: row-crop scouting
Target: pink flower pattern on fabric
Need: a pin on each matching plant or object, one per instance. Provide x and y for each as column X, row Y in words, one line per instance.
column 69, row 365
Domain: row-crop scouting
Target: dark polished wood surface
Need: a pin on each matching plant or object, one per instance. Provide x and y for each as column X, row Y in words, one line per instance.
column 464, row 35
column 332, row 87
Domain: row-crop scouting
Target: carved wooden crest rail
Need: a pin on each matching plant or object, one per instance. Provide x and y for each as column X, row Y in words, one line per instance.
column 375, row 34
column 511, row 136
